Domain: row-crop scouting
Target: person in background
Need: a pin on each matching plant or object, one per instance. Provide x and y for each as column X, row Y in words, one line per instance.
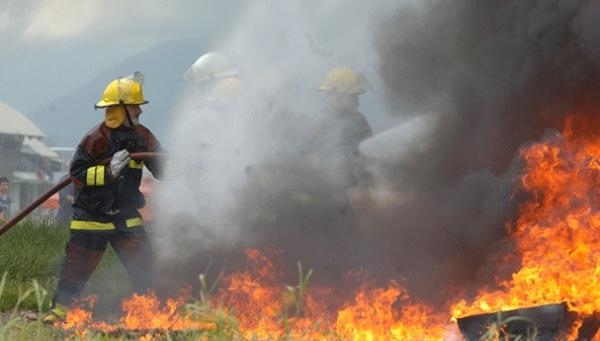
column 4, row 199
column 210, row 69
column 344, row 127
column 66, row 198
column 202, row 77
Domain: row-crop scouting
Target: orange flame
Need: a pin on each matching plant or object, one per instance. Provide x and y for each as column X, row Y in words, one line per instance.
column 267, row 310
column 373, row 316
column 557, row 233
column 140, row 313
column 557, row 238
column 375, row 313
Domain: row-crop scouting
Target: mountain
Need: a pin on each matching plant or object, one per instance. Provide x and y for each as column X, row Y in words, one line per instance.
column 66, row 119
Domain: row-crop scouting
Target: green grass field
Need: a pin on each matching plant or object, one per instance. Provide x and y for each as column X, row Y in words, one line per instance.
column 33, row 250
column 30, row 251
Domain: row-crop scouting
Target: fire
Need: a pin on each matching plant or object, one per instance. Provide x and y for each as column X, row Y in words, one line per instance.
column 261, row 300
column 557, row 233
column 140, row 313
column 265, row 309
column 372, row 316
column 145, row 312
column 557, row 238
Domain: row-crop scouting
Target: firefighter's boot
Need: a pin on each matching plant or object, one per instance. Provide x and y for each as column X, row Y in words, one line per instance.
column 56, row 314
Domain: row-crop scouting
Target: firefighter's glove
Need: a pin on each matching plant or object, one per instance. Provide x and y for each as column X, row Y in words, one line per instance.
column 119, row 161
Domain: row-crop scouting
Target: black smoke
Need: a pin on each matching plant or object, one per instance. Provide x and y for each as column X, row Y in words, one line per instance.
column 495, row 74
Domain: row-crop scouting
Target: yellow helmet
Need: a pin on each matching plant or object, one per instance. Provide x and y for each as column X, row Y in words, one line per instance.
column 123, row 90
column 344, row 80
column 228, row 88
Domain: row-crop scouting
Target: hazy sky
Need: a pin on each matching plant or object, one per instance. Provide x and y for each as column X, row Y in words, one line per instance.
column 50, row 47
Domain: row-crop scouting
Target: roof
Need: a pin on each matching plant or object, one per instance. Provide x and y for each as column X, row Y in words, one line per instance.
column 34, row 145
column 15, row 123
column 27, row 176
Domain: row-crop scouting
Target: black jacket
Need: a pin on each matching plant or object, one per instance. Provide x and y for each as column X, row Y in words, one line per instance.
column 99, row 198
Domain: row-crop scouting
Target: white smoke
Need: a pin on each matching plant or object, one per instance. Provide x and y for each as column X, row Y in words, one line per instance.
column 225, row 153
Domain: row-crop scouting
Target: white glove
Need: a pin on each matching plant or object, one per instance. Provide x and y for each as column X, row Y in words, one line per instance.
column 119, row 161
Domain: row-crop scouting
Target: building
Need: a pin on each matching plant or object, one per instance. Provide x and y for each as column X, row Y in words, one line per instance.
column 66, row 155
column 26, row 160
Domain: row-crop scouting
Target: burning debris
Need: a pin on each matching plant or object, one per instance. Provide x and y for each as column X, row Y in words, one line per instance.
column 556, row 232
column 545, row 323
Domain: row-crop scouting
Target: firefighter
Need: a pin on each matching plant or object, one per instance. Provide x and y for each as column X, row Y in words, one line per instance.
column 345, row 126
column 209, row 69
column 107, row 197
column 334, row 168
column 333, row 138
column 203, row 76
column 227, row 90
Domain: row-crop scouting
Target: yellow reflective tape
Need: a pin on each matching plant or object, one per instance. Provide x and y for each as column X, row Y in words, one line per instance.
column 91, row 225
column 90, row 179
column 96, row 225
column 100, row 175
column 133, row 222
column 135, row 164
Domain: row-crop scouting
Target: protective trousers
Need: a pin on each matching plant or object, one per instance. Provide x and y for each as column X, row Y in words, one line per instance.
column 84, row 251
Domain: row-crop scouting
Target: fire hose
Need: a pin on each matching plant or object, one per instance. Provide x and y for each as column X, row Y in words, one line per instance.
column 24, row 212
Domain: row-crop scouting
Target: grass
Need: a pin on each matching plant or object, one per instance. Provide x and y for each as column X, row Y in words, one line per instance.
column 13, row 326
column 32, row 250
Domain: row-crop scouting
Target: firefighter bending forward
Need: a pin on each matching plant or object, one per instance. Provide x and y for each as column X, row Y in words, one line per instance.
column 107, row 196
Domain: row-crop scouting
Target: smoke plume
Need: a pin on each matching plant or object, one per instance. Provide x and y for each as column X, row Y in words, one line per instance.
column 470, row 80
column 486, row 77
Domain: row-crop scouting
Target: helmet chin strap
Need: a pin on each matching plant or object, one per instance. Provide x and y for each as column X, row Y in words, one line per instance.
column 127, row 113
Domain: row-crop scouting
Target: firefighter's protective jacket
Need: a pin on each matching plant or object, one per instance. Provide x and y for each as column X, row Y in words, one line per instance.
column 101, row 202
column 336, row 140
